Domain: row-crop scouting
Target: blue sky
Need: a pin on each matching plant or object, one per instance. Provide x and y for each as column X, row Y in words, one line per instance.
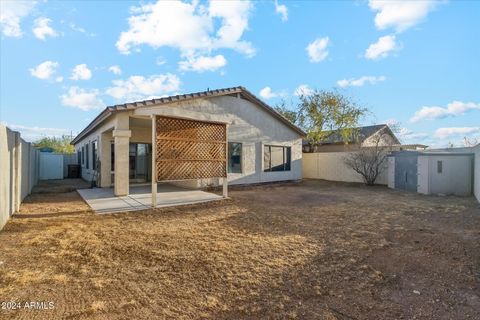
column 414, row 63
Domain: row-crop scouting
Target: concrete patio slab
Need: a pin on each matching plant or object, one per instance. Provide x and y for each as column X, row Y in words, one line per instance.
column 102, row 200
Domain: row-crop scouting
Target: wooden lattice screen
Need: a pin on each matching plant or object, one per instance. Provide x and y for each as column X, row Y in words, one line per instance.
column 189, row 149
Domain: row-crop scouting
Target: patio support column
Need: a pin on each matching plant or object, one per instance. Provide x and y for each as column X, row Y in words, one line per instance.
column 154, row 161
column 225, row 187
column 121, row 136
column 105, row 161
column 225, row 179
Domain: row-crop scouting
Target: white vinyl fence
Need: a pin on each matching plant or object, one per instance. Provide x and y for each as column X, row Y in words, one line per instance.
column 19, row 167
column 331, row 166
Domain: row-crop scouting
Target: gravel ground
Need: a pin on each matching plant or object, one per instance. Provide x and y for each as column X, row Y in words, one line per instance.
column 309, row 250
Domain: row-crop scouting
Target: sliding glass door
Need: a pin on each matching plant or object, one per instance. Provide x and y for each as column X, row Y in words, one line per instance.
column 140, row 162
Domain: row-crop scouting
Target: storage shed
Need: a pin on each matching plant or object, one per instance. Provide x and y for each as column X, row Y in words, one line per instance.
column 431, row 172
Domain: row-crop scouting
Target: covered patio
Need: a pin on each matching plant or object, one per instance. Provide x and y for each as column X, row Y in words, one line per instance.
column 103, row 200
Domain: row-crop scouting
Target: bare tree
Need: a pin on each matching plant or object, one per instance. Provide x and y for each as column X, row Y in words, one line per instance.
column 470, row 142
column 370, row 161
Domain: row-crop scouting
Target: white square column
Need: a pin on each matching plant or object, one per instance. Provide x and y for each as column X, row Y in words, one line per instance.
column 122, row 143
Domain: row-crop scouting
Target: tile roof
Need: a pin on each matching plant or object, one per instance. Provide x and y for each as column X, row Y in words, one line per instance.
column 184, row 97
column 362, row 134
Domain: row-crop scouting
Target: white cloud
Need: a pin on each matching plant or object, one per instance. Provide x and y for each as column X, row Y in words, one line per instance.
column 76, row 28
column 303, row 89
column 352, row 82
column 381, row 48
column 203, row 63
column 267, row 93
column 138, row 87
column 41, row 29
column 11, row 14
column 453, row 109
column 81, row 72
column 400, row 15
column 44, row 70
column 443, row 133
column 35, row 133
column 160, row 61
column 282, row 10
column 411, row 136
column 115, row 70
column 317, row 50
column 192, row 28
column 82, row 99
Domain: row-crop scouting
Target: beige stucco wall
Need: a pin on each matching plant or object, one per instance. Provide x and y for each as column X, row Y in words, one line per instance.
column 331, row 166
column 391, row 172
column 248, row 123
column 18, row 172
column 337, row 147
column 383, row 139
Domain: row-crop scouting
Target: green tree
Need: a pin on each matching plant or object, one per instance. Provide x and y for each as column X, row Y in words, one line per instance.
column 291, row 115
column 59, row 145
column 325, row 113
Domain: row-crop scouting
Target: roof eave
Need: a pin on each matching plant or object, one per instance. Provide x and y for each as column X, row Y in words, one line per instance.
column 185, row 97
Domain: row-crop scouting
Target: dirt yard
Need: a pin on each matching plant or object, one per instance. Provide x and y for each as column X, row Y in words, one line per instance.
column 311, row 250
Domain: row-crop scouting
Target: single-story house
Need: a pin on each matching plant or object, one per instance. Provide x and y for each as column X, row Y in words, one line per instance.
column 260, row 145
column 366, row 136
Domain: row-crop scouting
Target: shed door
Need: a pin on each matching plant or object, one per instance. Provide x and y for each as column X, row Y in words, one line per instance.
column 406, row 173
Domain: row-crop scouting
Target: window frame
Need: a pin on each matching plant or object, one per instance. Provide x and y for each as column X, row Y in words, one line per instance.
column 112, row 157
column 285, row 163
column 94, row 154
column 83, row 156
column 228, row 157
column 87, row 156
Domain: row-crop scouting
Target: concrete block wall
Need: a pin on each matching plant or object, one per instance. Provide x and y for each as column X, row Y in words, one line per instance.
column 476, row 175
column 18, row 172
column 331, row 166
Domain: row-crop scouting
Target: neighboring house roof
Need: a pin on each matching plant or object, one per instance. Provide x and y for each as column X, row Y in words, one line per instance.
column 414, row 146
column 108, row 111
column 362, row 134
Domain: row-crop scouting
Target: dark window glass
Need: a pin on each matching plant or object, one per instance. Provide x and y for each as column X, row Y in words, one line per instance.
column 87, row 158
column 94, row 154
column 277, row 158
column 112, row 158
column 234, row 157
column 83, row 155
column 79, row 156
column 439, row 166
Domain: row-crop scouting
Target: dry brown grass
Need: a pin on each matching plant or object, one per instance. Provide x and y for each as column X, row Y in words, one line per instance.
column 310, row 250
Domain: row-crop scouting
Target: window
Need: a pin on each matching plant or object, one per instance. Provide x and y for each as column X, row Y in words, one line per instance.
column 277, row 158
column 112, row 157
column 83, row 155
column 87, row 162
column 79, row 156
column 439, row 166
column 94, row 154
column 234, row 157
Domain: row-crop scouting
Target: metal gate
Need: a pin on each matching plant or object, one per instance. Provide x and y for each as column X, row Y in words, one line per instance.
column 406, row 172
column 51, row 166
